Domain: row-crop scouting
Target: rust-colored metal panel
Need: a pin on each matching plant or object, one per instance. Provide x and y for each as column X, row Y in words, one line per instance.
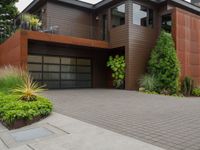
column 187, row 37
column 10, row 51
column 64, row 39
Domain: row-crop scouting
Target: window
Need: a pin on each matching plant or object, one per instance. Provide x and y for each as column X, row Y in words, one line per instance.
column 142, row 16
column 167, row 23
column 118, row 15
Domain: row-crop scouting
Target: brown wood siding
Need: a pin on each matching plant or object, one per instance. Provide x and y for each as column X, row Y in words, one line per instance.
column 141, row 40
column 71, row 20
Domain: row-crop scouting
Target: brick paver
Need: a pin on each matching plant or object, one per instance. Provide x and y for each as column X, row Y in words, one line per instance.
column 168, row 122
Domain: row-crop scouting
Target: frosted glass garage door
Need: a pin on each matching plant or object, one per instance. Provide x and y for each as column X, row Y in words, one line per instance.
column 61, row 72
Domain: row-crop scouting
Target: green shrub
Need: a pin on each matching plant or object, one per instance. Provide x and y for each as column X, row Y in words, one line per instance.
column 10, row 78
column 196, row 92
column 117, row 65
column 164, row 64
column 148, row 82
column 12, row 109
column 187, row 86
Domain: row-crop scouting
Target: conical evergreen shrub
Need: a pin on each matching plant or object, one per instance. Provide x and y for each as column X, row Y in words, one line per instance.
column 164, row 65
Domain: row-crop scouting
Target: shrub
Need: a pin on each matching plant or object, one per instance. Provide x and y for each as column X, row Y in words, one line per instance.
column 196, row 92
column 117, row 65
column 28, row 90
column 164, row 64
column 148, row 82
column 13, row 109
column 187, row 86
column 10, row 78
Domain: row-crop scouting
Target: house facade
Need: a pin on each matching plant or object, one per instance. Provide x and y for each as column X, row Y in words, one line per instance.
column 75, row 55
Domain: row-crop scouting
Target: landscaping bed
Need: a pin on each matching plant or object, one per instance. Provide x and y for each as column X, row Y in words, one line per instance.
column 15, row 113
column 20, row 102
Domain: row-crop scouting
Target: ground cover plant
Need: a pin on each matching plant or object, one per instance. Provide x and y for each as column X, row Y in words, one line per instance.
column 20, row 103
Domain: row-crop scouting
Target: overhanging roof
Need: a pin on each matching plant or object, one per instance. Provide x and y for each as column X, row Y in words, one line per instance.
column 102, row 3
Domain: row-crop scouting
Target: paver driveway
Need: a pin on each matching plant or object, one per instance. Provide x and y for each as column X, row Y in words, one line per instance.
column 168, row 122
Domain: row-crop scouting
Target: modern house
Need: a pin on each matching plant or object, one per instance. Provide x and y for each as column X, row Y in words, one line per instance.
column 75, row 56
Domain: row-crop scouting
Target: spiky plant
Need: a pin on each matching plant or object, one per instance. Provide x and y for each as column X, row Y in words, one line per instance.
column 29, row 89
column 148, row 82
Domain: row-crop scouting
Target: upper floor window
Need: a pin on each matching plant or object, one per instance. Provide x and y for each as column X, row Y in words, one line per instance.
column 167, row 23
column 118, row 15
column 142, row 15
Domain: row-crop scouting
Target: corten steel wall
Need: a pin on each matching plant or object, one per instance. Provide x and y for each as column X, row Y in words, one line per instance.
column 187, row 36
column 98, row 56
column 13, row 51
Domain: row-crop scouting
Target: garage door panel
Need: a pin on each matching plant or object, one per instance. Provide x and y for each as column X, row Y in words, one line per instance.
column 65, row 68
column 51, row 76
column 68, row 61
column 83, row 77
column 51, row 60
column 61, row 72
column 52, row 84
column 68, row 84
column 35, row 67
column 86, row 69
column 51, row 68
column 35, row 58
column 36, row 75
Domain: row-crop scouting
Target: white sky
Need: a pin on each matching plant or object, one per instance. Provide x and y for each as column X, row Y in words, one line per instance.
column 24, row 3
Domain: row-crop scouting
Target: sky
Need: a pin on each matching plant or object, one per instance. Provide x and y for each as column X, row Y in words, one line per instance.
column 24, row 3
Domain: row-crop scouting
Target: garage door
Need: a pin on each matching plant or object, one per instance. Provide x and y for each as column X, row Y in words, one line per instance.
column 61, row 72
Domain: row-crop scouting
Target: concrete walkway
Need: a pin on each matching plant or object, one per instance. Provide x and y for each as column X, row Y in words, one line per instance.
column 168, row 122
column 65, row 133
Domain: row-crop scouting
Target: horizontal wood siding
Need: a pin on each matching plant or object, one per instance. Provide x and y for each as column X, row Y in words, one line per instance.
column 141, row 40
column 71, row 20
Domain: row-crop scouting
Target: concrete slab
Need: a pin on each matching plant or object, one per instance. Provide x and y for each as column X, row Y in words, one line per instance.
column 77, row 135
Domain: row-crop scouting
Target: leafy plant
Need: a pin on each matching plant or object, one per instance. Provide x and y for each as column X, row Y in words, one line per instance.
column 187, row 86
column 164, row 64
column 8, row 13
column 196, row 92
column 13, row 109
column 31, row 22
column 117, row 65
column 29, row 89
column 148, row 82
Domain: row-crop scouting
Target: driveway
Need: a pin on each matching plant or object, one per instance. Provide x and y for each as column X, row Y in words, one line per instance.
column 168, row 122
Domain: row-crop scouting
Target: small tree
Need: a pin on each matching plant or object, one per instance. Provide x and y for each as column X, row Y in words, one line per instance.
column 8, row 12
column 164, row 64
column 117, row 65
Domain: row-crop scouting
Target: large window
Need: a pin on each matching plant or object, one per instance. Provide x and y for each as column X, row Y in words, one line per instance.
column 142, row 15
column 118, row 15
